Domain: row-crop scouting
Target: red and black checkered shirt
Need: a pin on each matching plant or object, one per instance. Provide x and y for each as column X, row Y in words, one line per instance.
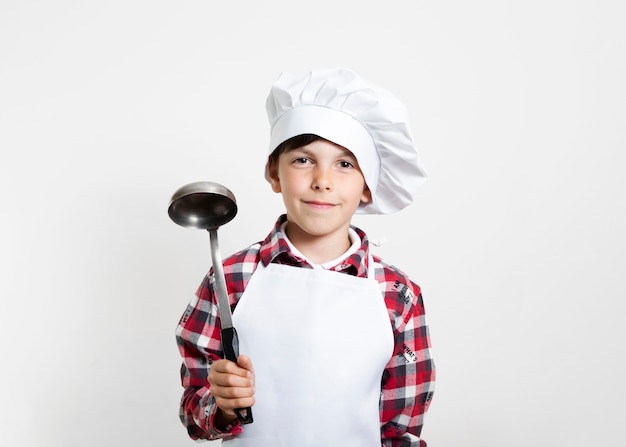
column 408, row 379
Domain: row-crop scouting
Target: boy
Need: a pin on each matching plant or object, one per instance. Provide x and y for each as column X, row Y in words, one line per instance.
column 335, row 348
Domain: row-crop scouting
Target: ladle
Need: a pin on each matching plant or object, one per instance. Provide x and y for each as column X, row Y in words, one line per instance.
column 207, row 206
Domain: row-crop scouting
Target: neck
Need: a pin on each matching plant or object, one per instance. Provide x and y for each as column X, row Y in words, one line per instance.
column 319, row 249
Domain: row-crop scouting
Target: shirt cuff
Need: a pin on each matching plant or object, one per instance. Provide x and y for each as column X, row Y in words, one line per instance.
column 231, row 429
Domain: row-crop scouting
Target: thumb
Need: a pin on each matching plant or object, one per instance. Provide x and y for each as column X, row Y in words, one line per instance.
column 245, row 362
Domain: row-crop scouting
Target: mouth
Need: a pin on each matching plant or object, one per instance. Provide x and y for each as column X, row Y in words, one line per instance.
column 319, row 205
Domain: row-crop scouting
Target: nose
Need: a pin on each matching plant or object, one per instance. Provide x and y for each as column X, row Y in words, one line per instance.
column 321, row 179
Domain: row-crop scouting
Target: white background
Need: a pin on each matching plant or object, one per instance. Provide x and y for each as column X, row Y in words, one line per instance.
column 517, row 240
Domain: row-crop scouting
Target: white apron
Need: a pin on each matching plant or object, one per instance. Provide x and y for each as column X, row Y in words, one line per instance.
column 319, row 342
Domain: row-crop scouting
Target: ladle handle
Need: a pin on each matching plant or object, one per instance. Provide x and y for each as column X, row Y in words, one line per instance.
column 230, row 343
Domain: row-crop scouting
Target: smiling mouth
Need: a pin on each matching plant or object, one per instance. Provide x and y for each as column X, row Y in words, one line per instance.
column 320, row 205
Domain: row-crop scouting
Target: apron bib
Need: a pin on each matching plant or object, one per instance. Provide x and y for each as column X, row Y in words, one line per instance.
column 319, row 342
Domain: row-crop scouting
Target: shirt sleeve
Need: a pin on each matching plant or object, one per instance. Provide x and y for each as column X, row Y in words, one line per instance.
column 409, row 378
column 199, row 342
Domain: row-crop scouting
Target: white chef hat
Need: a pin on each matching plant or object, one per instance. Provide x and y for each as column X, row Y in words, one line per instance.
column 339, row 106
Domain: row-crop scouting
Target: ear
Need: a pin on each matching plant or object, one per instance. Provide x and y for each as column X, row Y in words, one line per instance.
column 272, row 167
column 366, row 197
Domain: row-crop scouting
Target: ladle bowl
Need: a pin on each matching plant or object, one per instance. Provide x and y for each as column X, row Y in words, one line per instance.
column 202, row 206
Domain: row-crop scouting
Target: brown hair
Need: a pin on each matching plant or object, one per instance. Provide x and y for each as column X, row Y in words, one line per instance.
column 294, row 143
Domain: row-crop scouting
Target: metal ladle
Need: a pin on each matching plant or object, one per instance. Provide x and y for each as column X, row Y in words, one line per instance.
column 207, row 206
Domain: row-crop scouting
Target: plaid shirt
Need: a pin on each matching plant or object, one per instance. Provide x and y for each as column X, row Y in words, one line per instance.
column 409, row 376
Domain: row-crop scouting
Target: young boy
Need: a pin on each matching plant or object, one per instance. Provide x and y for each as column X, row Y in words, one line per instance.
column 333, row 341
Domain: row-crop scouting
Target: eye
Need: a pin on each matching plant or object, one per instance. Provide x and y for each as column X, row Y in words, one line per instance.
column 301, row 160
column 346, row 164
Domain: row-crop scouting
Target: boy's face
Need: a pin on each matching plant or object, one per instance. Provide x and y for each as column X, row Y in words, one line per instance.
column 322, row 186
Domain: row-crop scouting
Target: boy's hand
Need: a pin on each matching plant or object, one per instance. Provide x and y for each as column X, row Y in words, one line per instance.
column 232, row 384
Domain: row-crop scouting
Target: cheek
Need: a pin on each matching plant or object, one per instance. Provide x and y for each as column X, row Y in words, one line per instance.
column 290, row 180
column 287, row 181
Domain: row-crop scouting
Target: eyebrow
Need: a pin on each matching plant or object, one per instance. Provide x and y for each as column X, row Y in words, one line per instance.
column 306, row 151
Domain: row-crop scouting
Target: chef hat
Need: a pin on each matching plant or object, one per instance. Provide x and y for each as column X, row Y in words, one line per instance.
column 339, row 106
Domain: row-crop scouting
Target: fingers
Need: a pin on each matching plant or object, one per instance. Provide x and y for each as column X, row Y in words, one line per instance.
column 245, row 362
column 228, row 368
column 232, row 384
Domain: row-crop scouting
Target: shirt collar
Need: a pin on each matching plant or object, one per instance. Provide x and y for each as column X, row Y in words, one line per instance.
column 276, row 249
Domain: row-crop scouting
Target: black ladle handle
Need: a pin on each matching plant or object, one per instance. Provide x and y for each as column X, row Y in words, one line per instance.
column 230, row 344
